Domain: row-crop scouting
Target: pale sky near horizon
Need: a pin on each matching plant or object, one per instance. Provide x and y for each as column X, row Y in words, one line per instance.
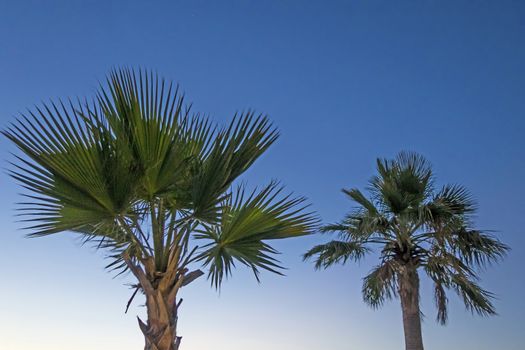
column 345, row 82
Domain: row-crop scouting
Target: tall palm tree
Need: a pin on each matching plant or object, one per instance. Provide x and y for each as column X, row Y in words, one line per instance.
column 417, row 228
column 153, row 184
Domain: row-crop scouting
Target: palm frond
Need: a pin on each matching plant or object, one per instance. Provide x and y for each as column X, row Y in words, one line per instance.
column 450, row 207
column 66, row 172
column 234, row 149
column 326, row 255
column 478, row 248
column 360, row 225
column 476, row 299
column 246, row 223
column 147, row 117
column 358, row 197
column 441, row 300
column 403, row 182
column 457, row 198
column 380, row 284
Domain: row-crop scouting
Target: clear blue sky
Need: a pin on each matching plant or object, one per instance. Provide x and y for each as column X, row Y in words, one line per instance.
column 345, row 82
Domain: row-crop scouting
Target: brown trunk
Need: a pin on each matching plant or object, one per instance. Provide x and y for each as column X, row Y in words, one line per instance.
column 161, row 289
column 409, row 295
column 160, row 332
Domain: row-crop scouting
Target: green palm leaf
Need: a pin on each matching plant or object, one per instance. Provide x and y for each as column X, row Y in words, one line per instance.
column 246, row 223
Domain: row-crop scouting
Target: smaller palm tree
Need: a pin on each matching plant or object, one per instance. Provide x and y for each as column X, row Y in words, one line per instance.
column 416, row 228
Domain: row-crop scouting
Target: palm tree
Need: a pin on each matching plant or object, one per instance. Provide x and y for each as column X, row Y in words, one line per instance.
column 153, row 185
column 417, row 229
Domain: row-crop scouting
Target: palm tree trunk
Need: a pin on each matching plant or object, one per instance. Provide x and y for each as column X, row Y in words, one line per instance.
column 160, row 332
column 409, row 295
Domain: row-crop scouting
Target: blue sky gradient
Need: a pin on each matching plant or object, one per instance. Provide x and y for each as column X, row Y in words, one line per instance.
column 345, row 82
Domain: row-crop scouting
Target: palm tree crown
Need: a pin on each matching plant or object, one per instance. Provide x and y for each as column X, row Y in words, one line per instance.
column 154, row 184
column 416, row 227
